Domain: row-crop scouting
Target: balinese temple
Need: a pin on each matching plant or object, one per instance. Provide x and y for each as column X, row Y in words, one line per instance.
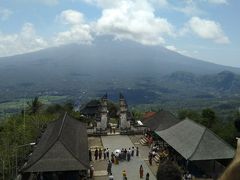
column 91, row 109
column 124, row 121
column 102, row 119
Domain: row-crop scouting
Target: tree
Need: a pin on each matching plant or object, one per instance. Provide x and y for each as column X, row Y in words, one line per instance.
column 191, row 114
column 34, row 106
column 209, row 117
column 169, row 171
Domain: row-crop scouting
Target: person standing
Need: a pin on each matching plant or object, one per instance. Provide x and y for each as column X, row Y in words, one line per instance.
column 96, row 154
column 90, row 154
column 100, row 153
column 107, row 153
column 137, row 152
column 110, row 177
column 112, row 157
column 150, row 156
column 104, row 153
column 132, row 151
column 91, row 171
column 125, row 154
column 141, row 172
column 147, row 176
column 109, row 167
column 124, row 175
column 128, row 156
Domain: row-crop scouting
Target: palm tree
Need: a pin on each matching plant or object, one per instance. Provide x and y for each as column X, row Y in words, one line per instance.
column 34, row 106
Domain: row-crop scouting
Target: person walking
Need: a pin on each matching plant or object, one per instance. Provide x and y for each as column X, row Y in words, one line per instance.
column 141, row 172
column 110, row 177
column 109, row 167
column 96, row 154
column 137, row 152
column 90, row 154
column 147, row 176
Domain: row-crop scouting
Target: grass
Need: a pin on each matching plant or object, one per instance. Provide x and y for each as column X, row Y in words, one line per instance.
column 19, row 104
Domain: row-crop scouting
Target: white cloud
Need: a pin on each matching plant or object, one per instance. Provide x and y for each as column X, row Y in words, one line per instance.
column 207, row 29
column 5, row 13
column 180, row 51
column 71, row 17
column 78, row 31
column 217, row 1
column 188, row 7
column 134, row 20
column 25, row 41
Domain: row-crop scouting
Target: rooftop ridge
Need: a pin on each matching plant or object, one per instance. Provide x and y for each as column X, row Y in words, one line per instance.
column 61, row 128
column 205, row 130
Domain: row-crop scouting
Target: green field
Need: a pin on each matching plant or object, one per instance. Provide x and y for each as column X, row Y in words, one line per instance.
column 18, row 105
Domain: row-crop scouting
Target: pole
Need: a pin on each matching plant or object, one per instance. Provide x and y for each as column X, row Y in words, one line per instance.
column 3, row 170
column 16, row 162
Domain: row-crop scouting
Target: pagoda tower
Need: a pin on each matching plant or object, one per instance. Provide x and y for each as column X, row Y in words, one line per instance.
column 124, row 122
column 103, row 113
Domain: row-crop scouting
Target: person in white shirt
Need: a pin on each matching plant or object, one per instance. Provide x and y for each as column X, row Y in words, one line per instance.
column 110, row 177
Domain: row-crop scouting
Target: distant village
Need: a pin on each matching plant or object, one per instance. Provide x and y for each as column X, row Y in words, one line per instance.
column 125, row 148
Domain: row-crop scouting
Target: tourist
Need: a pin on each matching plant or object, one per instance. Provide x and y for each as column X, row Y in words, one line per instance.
column 104, row 154
column 188, row 176
column 132, row 153
column 107, row 153
column 150, row 158
column 109, row 167
column 129, row 155
column 91, row 171
column 96, row 154
column 90, row 154
column 100, row 154
column 112, row 157
column 110, row 177
column 125, row 154
column 124, row 175
column 141, row 172
column 137, row 152
column 147, row 176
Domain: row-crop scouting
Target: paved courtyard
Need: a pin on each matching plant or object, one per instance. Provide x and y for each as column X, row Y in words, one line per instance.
column 132, row 167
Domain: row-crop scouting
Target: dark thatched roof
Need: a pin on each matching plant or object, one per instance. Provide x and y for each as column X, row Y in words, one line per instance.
column 62, row 147
column 160, row 120
column 91, row 108
column 195, row 142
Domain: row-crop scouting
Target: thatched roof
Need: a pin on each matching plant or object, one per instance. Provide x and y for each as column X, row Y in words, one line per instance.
column 62, row 147
column 195, row 142
column 160, row 120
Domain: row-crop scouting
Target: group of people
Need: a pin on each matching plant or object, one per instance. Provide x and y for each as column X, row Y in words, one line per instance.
column 99, row 154
column 124, row 154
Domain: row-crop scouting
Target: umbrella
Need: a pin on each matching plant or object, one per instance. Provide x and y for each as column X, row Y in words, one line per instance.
column 117, row 152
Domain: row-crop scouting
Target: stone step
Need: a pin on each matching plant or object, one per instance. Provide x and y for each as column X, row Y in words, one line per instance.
column 100, row 173
column 113, row 134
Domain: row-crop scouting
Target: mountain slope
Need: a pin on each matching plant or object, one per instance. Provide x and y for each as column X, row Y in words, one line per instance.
column 105, row 65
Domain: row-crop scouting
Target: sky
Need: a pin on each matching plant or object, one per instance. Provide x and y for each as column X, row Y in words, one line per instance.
column 203, row 29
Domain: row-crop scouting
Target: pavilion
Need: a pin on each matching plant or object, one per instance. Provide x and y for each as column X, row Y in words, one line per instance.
column 197, row 145
column 62, row 152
